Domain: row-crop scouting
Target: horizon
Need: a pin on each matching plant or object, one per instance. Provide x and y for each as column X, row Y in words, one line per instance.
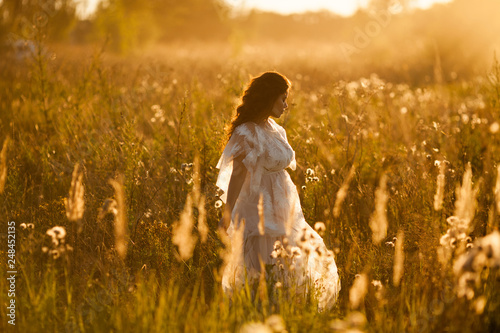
column 85, row 8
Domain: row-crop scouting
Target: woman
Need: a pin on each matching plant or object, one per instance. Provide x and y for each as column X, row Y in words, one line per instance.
column 258, row 190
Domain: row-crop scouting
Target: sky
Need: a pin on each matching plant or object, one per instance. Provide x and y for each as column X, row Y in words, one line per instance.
column 341, row 7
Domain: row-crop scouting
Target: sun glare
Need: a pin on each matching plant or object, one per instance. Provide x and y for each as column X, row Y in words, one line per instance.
column 341, row 7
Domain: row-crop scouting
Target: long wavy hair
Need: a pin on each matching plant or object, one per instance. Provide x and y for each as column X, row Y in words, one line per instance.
column 258, row 99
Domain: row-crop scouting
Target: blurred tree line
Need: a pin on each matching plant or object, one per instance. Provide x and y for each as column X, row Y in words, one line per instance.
column 127, row 23
column 22, row 19
column 387, row 33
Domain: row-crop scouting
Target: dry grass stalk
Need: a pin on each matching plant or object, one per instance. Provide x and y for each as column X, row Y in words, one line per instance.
column 75, row 204
column 3, row 164
column 232, row 254
column 441, row 180
column 497, row 190
column 358, row 290
column 399, row 258
column 121, row 226
column 199, row 201
column 465, row 205
column 262, row 289
column 202, row 220
column 260, row 207
column 342, row 193
column 378, row 220
column 183, row 231
column 196, row 179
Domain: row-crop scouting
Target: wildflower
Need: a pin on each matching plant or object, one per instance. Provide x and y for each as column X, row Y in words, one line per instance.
column 22, row 225
column 378, row 220
column 320, row 227
column 469, row 265
column 310, row 172
column 379, row 290
column 218, row 204
column 30, row 226
column 109, row 206
column 186, row 166
column 485, row 253
column 55, row 253
column 57, row 234
column 296, row 252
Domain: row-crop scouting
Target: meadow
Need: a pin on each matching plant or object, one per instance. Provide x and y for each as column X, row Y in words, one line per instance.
column 102, row 151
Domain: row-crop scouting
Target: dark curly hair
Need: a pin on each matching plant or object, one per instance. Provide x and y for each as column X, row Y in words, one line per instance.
column 258, row 99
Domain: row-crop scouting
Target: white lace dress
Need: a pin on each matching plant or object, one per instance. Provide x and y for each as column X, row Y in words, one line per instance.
column 265, row 153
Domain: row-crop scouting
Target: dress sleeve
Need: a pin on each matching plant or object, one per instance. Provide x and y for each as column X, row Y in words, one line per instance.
column 245, row 145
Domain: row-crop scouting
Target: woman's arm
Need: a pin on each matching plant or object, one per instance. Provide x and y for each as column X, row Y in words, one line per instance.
column 235, row 183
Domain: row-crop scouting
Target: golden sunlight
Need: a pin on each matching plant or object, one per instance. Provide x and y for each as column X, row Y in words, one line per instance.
column 344, row 8
column 340, row 7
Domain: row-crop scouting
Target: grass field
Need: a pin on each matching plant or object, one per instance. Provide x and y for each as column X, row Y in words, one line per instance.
column 142, row 121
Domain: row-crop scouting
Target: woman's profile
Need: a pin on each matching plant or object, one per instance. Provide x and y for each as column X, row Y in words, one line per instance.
column 259, row 191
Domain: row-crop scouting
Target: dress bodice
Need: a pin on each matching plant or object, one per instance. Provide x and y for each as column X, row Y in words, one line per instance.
column 278, row 154
column 263, row 149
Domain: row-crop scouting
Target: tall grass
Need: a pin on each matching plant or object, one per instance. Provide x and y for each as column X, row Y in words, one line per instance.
column 156, row 125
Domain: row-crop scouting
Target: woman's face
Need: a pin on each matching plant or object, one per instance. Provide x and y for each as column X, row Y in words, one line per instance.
column 279, row 106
